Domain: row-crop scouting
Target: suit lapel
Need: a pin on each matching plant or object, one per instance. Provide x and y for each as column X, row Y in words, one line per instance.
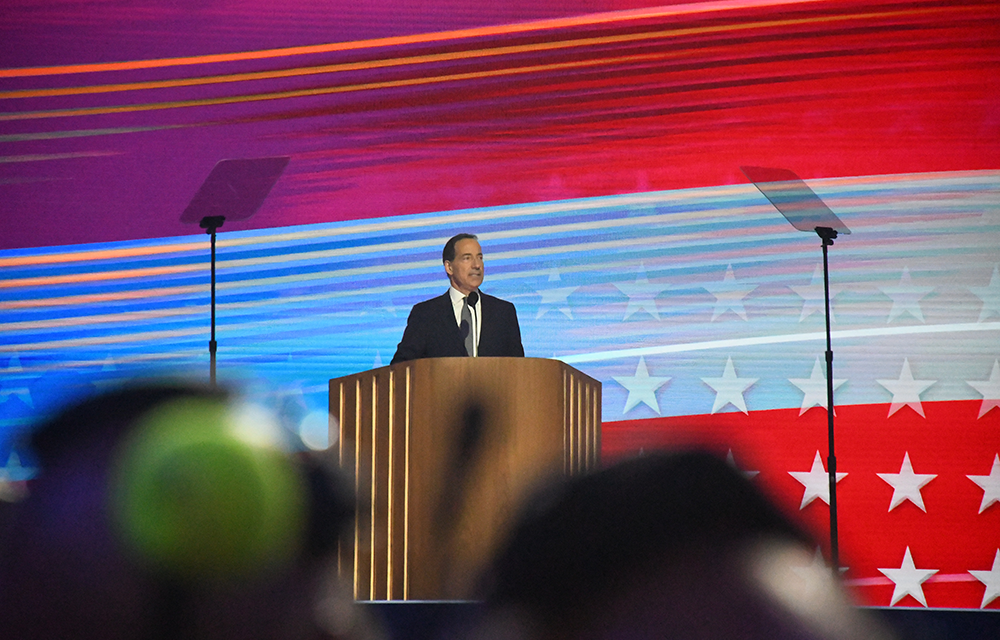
column 485, row 324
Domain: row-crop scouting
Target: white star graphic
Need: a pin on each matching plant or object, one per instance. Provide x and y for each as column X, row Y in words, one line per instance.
column 990, row 295
column 906, row 391
column 991, row 578
column 556, row 298
column 729, row 388
column 906, row 297
column 642, row 295
column 13, row 471
column 816, row 482
column 731, row 459
column 906, row 484
column 14, row 368
column 817, row 566
column 990, row 389
column 729, row 295
column 641, row 388
column 989, row 484
column 14, row 479
column 814, row 388
column 908, row 579
column 814, row 296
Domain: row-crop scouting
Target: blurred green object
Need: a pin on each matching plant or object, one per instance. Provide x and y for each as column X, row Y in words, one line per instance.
column 195, row 498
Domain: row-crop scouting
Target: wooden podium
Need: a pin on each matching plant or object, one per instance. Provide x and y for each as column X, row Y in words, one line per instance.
column 443, row 452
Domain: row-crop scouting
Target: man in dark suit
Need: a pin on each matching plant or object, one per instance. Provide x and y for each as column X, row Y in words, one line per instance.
column 463, row 318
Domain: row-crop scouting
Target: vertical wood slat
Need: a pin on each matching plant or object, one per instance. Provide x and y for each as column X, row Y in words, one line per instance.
column 390, row 574
column 405, row 426
column 395, row 426
column 572, row 425
column 582, row 423
column 396, row 463
column 371, row 426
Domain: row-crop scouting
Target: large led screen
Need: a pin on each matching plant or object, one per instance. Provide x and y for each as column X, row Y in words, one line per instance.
column 596, row 152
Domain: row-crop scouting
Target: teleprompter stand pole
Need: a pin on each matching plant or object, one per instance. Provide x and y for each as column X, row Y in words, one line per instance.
column 210, row 224
column 805, row 211
column 828, row 235
column 233, row 191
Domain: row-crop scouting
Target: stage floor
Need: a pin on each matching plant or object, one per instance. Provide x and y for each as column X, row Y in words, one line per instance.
column 436, row 620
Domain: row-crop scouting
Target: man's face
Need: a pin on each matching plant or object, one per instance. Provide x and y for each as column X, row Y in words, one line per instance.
column 466, row 270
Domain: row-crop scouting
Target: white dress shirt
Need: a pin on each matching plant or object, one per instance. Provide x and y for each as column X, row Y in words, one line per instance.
column 457, row 301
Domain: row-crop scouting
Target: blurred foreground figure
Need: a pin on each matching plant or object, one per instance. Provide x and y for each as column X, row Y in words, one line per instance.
column 172, row 511
column 664, row 546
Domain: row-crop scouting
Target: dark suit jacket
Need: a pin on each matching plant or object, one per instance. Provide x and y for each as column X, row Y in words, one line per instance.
column 431, row 331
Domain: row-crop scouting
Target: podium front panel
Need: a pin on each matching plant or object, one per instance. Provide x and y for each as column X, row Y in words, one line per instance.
column 444, row 451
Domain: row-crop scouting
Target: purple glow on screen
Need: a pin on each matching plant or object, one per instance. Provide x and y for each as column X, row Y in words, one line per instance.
column 566, row 106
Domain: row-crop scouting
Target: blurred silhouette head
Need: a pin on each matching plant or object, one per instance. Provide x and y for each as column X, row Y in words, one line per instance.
column 166, row 511
column 676, row 545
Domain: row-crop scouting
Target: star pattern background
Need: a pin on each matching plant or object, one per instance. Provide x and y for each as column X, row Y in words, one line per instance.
column 746, row 378
column 729, row 388
column 907, row 580
column 816, row 482
column 906, row 484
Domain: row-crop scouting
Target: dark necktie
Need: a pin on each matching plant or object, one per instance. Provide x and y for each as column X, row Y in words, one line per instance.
column 466, row 328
